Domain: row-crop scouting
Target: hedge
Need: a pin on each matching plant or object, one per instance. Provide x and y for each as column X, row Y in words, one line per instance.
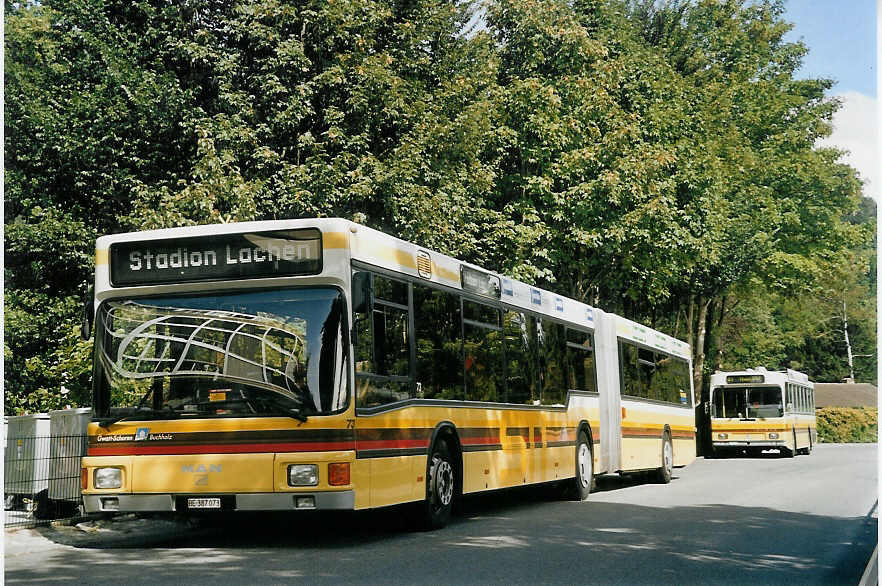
column 847, row 424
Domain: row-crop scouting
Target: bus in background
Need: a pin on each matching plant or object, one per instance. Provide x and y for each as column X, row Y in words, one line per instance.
column 758, row 409
column 321, row 364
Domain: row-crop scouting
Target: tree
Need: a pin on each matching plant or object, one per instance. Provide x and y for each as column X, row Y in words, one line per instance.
column 125, row 116
column 779, row 204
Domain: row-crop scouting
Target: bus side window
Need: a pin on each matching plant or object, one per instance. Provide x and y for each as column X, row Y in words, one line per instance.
column 580, row 361
column 482, row 345
column 521, row 360
column 554, row 381
column 630, row 375
column 382, row 347
column 439, row 364
column 664, row 383
column 647, row 370
column 363, row 329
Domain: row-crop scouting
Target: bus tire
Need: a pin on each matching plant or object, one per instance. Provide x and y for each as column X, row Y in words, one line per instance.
column 44, row 507
column 665, row 472
column 788, row 453
column 582, row 484
column 440, row 487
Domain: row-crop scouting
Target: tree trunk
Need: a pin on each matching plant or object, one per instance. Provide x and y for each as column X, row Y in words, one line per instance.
column 718, row 358
column 847, row 342
column 690, row 324
column 698, row 349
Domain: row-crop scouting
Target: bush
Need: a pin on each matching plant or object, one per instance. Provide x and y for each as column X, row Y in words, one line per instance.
column 847, row 424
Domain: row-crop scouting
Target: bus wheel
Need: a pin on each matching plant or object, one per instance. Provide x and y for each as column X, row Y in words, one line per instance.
column 44, row 507
column 581, row 486
column 440, row 485
column 788, row 453
column 666, row 471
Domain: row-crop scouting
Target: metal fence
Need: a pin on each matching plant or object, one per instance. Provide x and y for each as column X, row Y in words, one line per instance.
column 41, row 479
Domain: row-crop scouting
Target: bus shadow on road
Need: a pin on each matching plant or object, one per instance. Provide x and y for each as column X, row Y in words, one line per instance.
column 313, row 528
column 528, row 532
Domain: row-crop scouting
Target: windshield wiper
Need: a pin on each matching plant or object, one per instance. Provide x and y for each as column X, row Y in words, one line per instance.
column 108, row 421
column 278, row 412
column 292, row 413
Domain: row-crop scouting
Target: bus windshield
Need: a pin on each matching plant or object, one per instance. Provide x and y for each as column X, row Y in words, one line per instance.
column 266, row 353
column 747, row 402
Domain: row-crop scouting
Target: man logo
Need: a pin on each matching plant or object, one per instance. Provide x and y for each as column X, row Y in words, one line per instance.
column 202, row 471
column 200, row 468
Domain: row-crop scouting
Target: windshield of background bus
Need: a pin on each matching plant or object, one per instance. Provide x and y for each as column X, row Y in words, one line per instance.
column 760, row 402
column 233, row 355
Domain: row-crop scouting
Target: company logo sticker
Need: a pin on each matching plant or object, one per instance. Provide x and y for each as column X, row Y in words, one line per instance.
column 142, row 434
column 536, row 296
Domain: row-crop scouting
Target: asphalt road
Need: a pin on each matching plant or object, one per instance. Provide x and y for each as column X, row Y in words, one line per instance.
column 807, row 520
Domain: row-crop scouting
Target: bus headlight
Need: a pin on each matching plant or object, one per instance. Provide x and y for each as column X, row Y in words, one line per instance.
column 302, row 475
column 108, row 477
column 722, row 436
column 773, row 436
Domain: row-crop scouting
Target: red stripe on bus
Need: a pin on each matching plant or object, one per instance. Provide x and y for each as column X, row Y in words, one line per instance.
column 480, row 441
column 220, row 448
column 387, row 444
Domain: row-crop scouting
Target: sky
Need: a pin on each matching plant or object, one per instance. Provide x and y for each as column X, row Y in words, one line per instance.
column 842, row 41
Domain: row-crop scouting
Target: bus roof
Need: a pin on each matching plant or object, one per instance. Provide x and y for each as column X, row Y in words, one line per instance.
column 749, row 375
column 375, row 248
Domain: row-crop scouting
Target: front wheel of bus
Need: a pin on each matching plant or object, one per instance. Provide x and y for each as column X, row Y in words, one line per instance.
column 440, row 486
column 787, row 452
column 666, row 471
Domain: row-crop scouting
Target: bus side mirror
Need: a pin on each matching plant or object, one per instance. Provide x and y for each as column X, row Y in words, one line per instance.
column 790, row 406
column 88, row 314
column 361, row 292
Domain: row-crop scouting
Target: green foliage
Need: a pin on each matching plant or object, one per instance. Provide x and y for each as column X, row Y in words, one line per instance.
column 655, row 159
column 848, row 425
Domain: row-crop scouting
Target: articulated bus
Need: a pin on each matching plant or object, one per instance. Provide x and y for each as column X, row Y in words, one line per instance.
column 758, row 409
column 321, row 364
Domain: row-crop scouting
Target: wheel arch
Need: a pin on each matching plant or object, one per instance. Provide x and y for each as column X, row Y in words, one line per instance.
column 585, row 425
column 446, row 431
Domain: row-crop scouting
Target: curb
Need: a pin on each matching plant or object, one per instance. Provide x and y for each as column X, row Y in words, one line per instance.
column 871, row 572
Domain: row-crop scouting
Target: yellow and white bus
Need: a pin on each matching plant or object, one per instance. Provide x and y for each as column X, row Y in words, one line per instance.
column 758, row 409
column 321, row 364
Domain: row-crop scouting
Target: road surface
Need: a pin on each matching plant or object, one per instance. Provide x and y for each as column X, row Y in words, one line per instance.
column 806, row 520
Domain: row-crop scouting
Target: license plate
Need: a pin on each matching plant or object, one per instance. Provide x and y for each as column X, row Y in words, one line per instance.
column 212, row 503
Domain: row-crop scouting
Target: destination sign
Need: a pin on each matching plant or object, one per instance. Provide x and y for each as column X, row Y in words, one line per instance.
column 219, row 257
column 479, row 282
column 745, row 378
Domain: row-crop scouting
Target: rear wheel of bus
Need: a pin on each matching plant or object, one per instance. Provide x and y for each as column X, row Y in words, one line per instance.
column 666, row 471
column 581, row 486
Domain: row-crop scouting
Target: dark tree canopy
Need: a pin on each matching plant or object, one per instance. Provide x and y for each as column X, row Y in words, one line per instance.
column 655, row 159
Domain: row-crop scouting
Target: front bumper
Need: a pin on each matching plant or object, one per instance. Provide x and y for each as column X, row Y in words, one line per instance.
column 750, row 443
column 273, row 501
